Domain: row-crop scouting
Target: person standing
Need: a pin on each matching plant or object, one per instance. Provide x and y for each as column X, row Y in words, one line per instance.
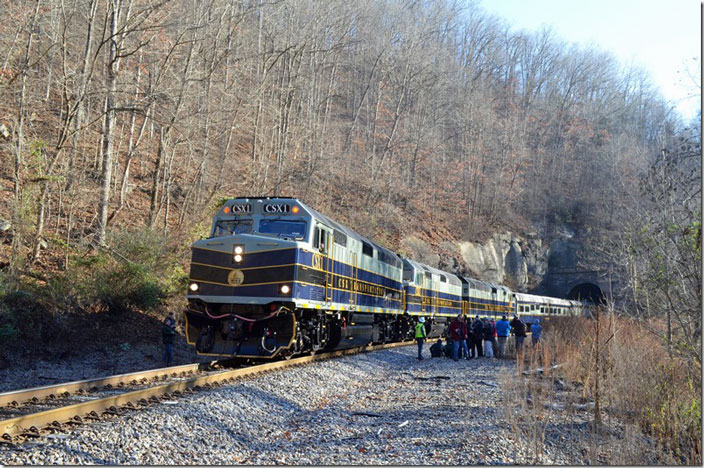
column 503, row 328
column 420, row 336
column 168, row 336
column 477, row 334
column 494, row 343
column 458, row 332
column 488, row 338
column 519, row 331
column 536, row 330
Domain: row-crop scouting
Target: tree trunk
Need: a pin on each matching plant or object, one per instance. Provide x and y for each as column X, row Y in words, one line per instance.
column 153, row 211
column 80, row 95
column 19, row 148
column 109, row 129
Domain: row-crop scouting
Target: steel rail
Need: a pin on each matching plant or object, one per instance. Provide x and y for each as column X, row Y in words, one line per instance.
column 77, row 412
column 21, row 396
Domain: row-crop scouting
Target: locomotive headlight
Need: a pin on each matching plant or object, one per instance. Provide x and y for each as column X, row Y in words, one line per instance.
column 237, row 253
column 193, row 287
column 285, row 289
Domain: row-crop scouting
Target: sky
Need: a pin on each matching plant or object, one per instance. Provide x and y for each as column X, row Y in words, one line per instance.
column 661, row 36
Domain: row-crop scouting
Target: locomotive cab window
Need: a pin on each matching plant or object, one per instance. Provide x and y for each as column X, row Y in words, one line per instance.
column 367, row 249
column 320, row 239
column 229, row 227
column 283, row 228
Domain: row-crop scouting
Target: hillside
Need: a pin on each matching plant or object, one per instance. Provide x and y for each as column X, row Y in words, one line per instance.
column 125, row 123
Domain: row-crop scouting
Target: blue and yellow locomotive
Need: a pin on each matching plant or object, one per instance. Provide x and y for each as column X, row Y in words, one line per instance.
column 276, row 278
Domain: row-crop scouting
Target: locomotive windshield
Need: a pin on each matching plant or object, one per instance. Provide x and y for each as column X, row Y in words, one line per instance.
column 228, row 227
column 283, row 228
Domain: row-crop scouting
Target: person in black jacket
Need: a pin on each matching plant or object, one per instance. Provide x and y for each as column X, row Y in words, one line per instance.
column 518, row 328
column 168, row 336
column 477, row 335
column 489, row 332
column 436, row 350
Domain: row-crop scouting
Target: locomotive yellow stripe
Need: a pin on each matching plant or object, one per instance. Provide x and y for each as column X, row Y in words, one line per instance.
column 241, row 285
column 245, row 269
column 227, row 252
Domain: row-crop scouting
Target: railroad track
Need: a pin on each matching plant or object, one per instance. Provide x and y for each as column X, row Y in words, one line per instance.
column 56, row 408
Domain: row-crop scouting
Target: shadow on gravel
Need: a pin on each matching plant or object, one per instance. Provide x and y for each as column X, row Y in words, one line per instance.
column 87, row 346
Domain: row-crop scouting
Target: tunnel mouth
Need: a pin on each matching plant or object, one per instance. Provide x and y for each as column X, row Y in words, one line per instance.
column 588, row 292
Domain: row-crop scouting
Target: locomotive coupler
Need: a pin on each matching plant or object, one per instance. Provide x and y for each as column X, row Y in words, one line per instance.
column 233, row 329
column 268, row 343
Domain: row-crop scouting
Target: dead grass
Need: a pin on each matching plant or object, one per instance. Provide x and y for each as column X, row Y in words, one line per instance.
column 617, row 396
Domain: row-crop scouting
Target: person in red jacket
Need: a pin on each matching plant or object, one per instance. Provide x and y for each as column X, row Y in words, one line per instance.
column 458, row 333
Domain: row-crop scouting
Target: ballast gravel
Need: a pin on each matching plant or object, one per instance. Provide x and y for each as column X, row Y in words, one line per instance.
column 377, row 408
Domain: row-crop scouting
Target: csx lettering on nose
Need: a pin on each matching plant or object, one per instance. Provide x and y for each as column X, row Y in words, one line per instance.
column 276, row 208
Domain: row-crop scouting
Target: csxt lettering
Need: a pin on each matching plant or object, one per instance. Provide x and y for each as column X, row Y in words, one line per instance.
column 241, row 208
column 277, row 208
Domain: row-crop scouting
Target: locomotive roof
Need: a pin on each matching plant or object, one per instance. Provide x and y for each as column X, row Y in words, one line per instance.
column 478, row 285
column 485, row 285
column 330, row 222
column 452, row 279
column 349, row 232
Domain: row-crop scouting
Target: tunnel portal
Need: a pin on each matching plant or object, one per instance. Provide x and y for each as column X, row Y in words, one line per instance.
column 589, row 292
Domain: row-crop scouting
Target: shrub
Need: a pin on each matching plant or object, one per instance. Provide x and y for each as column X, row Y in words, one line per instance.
column 122, row 287
column 136, row 272
column 24, row 318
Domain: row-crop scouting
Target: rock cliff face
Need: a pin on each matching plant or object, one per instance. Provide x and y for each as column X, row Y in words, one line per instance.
column 527, row 264
column 520, row 263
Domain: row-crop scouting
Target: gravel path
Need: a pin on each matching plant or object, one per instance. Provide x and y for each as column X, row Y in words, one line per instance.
column 376, row 408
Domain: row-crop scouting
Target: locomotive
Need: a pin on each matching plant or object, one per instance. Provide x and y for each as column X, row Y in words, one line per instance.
column 276, row 278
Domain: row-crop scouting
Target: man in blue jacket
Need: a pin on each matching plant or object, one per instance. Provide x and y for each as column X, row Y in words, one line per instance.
column 503, row 328
column 535, row 331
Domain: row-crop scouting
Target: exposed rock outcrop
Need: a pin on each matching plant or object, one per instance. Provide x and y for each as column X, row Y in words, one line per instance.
column 507, row 259
column 520, row 263
column 528, row 263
